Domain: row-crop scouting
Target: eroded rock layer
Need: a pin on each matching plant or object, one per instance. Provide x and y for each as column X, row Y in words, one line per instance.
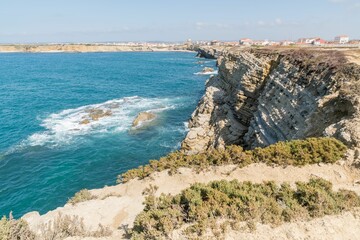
column 262, row 96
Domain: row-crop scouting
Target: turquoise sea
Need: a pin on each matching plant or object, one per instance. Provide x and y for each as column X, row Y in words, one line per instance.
column 46, row 155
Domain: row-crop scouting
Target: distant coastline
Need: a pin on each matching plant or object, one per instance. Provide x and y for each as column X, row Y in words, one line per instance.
column 93, row 47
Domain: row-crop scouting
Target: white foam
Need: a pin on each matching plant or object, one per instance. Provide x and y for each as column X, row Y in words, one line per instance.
column 186, row 125
column 61, row 128
column 207, row 73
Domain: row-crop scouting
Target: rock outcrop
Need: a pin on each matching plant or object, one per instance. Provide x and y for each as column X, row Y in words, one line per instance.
column 95, row 114
column 209, row 53
column 262, row 96
column 142, row 118
column 207, row 70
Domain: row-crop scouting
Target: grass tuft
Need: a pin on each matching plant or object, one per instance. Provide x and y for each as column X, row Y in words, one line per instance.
column 81, row 196
column 64, row 226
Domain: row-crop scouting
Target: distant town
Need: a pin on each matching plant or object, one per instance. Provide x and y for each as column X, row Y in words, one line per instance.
column 341, row 41
column 338, row 41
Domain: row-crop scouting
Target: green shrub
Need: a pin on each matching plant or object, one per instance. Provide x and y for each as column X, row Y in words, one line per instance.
column 81, row 196
column 202, row 206
column 295, row 152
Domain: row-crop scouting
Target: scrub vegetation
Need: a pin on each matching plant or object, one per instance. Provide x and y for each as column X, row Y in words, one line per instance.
column 211, row 209
column 295, row 152
column 81, row 196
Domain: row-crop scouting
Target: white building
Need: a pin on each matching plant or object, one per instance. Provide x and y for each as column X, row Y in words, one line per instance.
column 307, row 40
column 246, row 41
column 286, row 43
column 342, row 39
column 261, row 43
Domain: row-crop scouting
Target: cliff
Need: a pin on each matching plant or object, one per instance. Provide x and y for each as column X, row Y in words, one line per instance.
column 39, row 48
column 259, row 97
column 262, row 96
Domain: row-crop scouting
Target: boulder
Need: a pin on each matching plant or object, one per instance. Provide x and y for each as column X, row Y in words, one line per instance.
column 143, row 117
column 95, row 114
column 207, row 70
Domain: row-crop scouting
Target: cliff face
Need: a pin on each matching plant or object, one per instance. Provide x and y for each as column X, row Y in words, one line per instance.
column 36, row 48
column 258, row 97
column 262, row 96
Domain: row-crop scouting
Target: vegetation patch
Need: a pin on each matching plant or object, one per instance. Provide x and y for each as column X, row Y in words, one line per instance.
column 11, row 229
column 64, row 226
column 81, row 196
column 61, row 227
column 296, row 152
column 220, row 205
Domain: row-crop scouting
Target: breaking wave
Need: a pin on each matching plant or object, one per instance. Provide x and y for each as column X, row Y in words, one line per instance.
column 112, row 116
column 207, row 73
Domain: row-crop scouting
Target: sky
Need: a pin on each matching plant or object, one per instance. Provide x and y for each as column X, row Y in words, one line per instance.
column 45, row 21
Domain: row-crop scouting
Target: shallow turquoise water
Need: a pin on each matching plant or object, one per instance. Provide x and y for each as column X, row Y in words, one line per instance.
column 46, row 155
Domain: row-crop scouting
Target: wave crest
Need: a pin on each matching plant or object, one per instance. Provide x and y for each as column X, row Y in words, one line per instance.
column 112, row 116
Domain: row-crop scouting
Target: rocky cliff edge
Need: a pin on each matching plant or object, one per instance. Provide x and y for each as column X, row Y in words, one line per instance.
column 262, row 96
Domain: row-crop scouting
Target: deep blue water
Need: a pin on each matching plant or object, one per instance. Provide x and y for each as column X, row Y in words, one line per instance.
column 46, row 155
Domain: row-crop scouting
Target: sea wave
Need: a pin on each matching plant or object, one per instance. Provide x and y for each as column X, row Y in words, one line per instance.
column 111, row 116
column 207, row 73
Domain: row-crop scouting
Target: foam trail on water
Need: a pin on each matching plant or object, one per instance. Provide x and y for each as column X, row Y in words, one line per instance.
column 112, row 116
column 207, row 73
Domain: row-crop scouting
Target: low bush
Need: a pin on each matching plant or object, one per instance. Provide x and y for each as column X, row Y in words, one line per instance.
column 296, row 152
column 204, row 206
column 11, row 229
column 81, row 196
column 64, row 226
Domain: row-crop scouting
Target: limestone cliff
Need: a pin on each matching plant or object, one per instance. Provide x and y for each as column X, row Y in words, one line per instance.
column 262, row 96
column 93, row 47
column 258, row 97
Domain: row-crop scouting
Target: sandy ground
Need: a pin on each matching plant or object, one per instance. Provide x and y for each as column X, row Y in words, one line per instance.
column 118, row 211
column 353, row 56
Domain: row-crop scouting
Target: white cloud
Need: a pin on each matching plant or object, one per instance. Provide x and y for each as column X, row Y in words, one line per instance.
column 278, row 21
column 337, row 1
column 202, row 25
column 261, row 23
column 199, row 25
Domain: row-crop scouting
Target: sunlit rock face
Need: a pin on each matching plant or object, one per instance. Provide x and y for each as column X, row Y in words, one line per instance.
column 262, row 96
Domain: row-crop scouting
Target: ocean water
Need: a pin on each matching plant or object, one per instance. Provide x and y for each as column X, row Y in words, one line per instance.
column 47, row 155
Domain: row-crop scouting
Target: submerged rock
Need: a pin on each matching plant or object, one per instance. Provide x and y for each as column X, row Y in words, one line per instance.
column 85, row 121
column 207, row 70
column 94, row 115
column 143, row 117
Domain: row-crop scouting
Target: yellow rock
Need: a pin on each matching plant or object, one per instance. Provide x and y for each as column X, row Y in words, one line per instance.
column 143, row 117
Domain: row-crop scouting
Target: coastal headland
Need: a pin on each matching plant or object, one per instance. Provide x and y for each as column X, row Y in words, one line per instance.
column 90, row 47
column 246, row 127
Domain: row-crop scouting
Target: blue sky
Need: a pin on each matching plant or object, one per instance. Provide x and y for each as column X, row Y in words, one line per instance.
column 24, row 21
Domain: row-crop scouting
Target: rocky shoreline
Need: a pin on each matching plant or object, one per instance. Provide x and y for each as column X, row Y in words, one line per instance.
column 259, row 97
column 262, row 96
column 82, row 48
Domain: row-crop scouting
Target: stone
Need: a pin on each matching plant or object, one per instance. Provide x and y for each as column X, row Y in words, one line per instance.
column 85, row 121
column 143, row 117
column 94, row 114
column 207, row 70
